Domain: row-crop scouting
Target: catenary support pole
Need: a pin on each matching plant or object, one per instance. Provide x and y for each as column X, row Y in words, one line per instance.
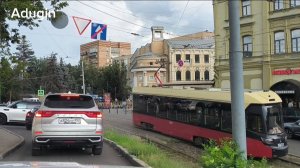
column 236, row 78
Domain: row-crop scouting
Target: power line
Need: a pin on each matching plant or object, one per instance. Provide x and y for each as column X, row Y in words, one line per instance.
column 183, row 12
column 112, row 26
column 114, row 16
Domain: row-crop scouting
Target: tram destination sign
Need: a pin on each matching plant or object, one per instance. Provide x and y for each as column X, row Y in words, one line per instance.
column 286, row 72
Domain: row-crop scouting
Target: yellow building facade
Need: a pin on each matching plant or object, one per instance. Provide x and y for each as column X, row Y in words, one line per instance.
column 270, row 43
column 194, row 51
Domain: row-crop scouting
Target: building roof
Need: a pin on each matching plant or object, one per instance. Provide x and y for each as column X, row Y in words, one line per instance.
column 207, row 43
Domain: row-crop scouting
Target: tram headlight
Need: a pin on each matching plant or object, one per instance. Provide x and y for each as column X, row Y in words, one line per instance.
column 267, row 140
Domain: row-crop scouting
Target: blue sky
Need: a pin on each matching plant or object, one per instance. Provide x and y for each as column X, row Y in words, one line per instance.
column 122, row 18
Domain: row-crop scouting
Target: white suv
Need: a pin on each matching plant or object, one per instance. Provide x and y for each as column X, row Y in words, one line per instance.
column 67, row 120
column 16, row 112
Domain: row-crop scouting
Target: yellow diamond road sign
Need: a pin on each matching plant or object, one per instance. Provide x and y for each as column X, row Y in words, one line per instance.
column 41, row 92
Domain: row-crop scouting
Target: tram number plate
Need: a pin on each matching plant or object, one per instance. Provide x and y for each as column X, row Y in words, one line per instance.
column 280, row 145
column 69, row 121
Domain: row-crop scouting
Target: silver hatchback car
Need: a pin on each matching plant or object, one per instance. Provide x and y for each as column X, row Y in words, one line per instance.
column 67, row 120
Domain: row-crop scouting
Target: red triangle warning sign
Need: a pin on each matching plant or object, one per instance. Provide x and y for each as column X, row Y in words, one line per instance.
column 81, row 24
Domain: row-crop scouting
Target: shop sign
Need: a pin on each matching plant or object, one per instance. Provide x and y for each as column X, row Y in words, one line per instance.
column 286, row 72
column 285, row 91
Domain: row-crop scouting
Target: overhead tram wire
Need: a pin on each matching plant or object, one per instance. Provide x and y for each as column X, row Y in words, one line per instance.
column 124, row 19
column 55, row 41
column 183, row 12
column 110, row 25
column 115, row 16
column 119, row 10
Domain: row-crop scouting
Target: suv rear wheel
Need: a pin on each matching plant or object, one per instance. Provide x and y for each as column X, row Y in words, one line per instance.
column 97, row 150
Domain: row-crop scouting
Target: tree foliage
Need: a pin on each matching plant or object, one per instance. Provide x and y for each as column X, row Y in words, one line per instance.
column 11, row 35
column 53, row 75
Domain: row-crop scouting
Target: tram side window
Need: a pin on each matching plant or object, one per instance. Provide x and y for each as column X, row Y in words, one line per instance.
column 139, row 104
column 254, row 123
column 254, row 119
column 226, row 123
column 212, row 116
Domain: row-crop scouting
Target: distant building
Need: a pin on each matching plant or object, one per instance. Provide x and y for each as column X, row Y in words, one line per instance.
column 270, row 43
column 144, row 61
column 196, row 51
column 101, row 53
column 198, row 58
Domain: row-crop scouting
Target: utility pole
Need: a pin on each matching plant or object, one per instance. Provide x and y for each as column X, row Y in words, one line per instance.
column 236, row 78
column 83, row 83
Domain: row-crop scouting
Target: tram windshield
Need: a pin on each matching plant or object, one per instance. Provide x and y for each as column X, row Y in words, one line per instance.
column 273, row 119
column 265, row 119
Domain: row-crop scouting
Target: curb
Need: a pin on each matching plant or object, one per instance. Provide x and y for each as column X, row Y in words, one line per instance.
column 133, row 159
column 14, row 147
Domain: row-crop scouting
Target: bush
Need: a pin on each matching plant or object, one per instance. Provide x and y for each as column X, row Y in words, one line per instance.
column 227, row 155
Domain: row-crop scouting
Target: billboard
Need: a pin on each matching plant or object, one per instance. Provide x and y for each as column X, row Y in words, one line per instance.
column 107, row 100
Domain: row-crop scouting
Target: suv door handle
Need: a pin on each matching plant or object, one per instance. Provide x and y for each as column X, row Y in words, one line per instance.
column 23, row 110
column 6, row 109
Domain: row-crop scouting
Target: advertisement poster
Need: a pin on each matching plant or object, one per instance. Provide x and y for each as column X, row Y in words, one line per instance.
column 107, row 100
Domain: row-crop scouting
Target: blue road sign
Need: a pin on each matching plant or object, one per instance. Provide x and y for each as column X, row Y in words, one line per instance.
column 98, row 31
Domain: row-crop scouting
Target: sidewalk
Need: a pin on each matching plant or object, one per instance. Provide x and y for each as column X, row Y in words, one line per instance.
column 8, row 142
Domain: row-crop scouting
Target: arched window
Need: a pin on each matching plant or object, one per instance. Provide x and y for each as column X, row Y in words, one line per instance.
column 295, row 40
column 178, row 76
column 188, row 75
column 197, row 75
column 206, row 75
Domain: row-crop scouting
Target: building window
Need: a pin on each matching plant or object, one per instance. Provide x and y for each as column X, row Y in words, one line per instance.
column 197, row 58
column 151, row 78
column 247, row 46
column 279, row 43
column 206, row 58
column 246, row 7
column 178, row 57
column 206, row 75
column 278, row 4
column 296, row 40
column 197, row 75
column 188, row 75
column 295, row 3
column 178, row 76
column 188, row 57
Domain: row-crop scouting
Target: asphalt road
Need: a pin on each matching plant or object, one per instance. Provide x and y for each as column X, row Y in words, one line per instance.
column 294, row 146
column 109, row 155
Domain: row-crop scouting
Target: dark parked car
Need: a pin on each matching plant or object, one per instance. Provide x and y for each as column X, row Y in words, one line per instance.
column 29, row 117
column 292, row 128
column 291, row 114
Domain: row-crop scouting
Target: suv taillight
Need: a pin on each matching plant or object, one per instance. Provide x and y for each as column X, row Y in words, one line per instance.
column 45, row 114
column 93, row 114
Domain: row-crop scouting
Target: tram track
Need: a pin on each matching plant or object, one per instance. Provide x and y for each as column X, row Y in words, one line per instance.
column 290, row 158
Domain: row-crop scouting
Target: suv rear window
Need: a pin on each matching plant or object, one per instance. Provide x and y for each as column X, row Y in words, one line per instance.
column 58, row 101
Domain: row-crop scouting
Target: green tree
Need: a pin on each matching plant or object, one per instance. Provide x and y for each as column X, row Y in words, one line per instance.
column 6, row 80
column 11, row 35
column 114, row 78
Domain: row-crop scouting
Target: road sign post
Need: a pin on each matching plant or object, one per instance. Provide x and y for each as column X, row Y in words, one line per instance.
column 41, row 92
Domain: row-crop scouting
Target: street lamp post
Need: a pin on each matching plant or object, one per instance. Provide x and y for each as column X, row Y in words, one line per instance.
column 83, row 82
